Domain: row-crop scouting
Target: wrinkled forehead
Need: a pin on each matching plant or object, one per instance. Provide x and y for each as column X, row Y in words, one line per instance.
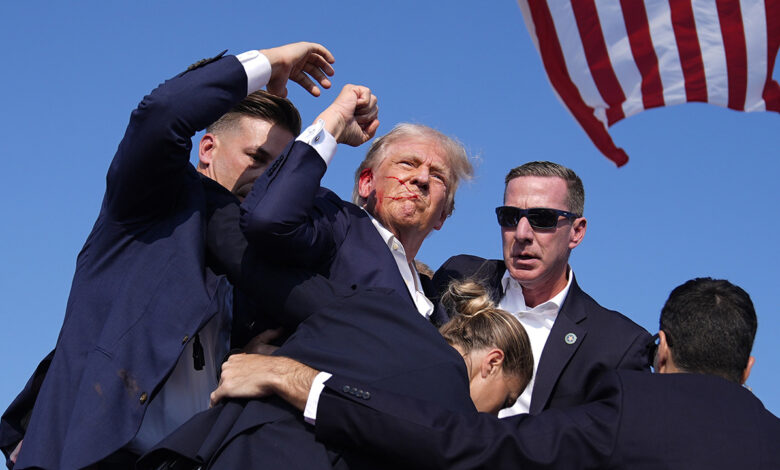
column 421, row 148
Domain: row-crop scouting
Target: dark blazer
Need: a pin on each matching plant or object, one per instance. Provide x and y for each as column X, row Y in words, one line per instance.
column 141, row 288
column 373, row 334
column 293, row 221
column 632, row 420
column 605, row 339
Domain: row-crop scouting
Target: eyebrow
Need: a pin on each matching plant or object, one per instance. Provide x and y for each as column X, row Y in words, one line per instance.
column 260, row 152
column 435, row 167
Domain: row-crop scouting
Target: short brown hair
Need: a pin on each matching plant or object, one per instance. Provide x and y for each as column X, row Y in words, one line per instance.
column 459, row 164
column 575, row 198
column 262, row 105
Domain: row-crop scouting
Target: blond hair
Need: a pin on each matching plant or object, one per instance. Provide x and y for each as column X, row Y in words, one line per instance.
column 478, row 323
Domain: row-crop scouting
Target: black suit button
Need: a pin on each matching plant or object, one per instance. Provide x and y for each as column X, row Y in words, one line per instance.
column 353, row 286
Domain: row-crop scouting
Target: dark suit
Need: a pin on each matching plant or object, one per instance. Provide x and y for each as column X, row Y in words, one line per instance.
column 372, row 334
column 632, row 420
column 142, row 288
column 291, row 220
column 605, row 339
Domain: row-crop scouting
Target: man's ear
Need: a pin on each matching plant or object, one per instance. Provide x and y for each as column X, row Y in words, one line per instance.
column 746, row 372
column 491, row 362
column 578, row 228
column 206, row 149
column 444, row 215
column 366, row 183
column 663, row 363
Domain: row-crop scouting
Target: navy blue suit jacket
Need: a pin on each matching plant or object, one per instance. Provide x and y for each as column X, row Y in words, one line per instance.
column 291, row 220
column 605, row 339
column 142, row 288
column 632, row 420
column 370, row 334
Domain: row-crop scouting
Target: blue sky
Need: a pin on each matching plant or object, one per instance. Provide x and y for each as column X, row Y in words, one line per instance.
column 697, row 198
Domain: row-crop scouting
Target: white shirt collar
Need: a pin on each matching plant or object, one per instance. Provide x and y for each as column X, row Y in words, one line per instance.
column 512, row 289
column 407, row 270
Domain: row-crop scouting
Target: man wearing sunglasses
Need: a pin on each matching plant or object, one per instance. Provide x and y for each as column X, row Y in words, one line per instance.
column 572, row 336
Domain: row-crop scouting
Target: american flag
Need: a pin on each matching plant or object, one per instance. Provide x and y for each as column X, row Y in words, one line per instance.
column 610, row 59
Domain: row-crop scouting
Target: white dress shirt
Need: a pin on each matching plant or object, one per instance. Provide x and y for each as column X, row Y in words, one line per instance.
column 538, row 322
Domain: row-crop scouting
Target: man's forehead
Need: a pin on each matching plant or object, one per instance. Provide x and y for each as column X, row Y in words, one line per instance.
column 420, row 148
column 552, row 188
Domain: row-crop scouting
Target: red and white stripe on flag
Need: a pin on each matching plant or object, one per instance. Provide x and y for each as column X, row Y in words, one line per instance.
column 610, row 59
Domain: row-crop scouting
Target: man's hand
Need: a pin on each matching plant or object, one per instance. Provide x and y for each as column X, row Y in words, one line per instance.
column 294, row 62
column 260, row 344
column 352, row 118
column 255, row 376
column 15, row 453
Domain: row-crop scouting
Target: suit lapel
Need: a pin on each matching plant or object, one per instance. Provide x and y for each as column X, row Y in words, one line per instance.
column 565, row 338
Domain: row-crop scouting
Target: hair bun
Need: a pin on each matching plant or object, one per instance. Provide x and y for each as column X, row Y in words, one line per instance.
column 468, row 298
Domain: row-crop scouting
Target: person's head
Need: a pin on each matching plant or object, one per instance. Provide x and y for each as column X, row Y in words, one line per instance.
column 493, row 343
column 240, row 145
column 707, row 326
column 409, row 178
column 537, row 244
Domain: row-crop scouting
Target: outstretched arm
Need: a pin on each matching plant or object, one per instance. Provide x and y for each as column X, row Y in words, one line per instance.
column 283, row 214
column 152, row 161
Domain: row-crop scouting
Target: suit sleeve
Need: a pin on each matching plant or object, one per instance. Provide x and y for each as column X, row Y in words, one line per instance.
column 637, row 355
column 419, row 434
column 13, row 424
column 152, row 161
column 286, row 216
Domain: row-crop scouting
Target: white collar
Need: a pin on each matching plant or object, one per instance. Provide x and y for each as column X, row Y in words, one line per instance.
column 512, row 287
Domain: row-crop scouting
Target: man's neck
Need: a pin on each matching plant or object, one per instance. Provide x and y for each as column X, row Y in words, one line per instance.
column 537, row 295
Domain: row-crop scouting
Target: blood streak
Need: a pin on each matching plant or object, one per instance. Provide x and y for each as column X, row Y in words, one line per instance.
column 412, row 194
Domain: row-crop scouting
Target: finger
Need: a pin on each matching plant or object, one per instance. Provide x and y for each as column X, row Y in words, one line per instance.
column 214, row 398
column 321, row 51
column 319, row 62
column 307, row 84
column 370, row 131
column 270, row 335
column 318, row 75
column 364, row 96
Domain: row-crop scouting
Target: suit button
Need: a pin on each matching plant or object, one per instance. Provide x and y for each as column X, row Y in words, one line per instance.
column 366, row 395
column 185, row 339
column 353, row 286
column 143, row 398
column 346, row 389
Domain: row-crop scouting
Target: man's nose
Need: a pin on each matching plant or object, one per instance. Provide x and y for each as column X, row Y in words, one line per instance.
column 524, row 231
column 422, row 176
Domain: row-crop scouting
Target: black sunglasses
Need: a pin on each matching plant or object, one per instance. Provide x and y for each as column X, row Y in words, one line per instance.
column 538, row 217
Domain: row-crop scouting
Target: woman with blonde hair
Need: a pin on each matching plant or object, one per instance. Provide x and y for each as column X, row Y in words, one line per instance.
column 493, row 344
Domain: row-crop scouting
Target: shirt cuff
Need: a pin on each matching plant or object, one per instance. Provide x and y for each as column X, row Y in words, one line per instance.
column 310, row 411
column 257, row 68
column 318, row 137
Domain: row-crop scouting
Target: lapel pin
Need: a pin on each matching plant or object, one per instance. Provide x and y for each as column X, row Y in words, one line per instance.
column 570, row 338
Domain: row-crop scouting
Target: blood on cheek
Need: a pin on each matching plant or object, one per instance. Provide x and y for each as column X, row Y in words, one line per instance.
column 411, row 194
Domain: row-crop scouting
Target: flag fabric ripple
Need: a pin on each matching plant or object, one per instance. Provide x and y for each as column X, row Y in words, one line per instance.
column 610, row 59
